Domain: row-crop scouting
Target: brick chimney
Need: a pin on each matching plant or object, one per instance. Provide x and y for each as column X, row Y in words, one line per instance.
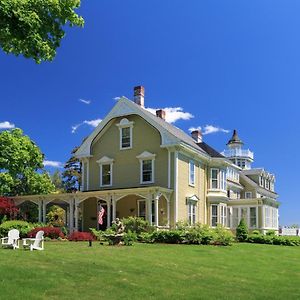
column 161, row 114
column 139, row 94
column 197, row 136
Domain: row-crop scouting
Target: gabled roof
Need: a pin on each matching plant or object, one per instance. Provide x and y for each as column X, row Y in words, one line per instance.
column 170, row 134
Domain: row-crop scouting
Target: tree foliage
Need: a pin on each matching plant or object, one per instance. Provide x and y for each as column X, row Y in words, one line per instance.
column 242, row 231
column 72, row 173
column 57, row 180
column 21, row 166
column 34, row 28
column 7, row 208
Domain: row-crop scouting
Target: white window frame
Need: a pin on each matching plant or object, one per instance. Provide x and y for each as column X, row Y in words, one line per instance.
column 143, row 157
column 192, row 173
column 223, row 215
column 214, row 216
column 248, row 195
column 106, row 161
column 125, row 123
column 214, row 179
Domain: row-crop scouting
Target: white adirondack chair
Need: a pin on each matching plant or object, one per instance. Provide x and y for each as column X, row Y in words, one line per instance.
column 12, row 239
column 35, row 244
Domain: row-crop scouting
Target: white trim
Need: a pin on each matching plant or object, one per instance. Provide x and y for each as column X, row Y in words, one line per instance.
column 144, row 157
column 88, row 174
column 101, row 174
column 176, row 185
column 169, row 169
column 125, row 123
column 104, row 161
column 82, row 175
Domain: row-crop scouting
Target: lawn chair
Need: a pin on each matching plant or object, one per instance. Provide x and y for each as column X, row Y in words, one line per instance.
column 12, row 239
column 35, row 244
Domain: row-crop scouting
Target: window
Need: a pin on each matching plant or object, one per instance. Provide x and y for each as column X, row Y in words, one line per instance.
column 253, row 217
column 268, row 217
column 126, row 138
column 125, row 128
column 248, row 195
column 147, row 167
column 106, row 171
column 228, row 217
column 142, row 209
column 106, row 175
column 192, row 173
column 235, row 217
column 192, row 213
column 214, row 215
column 261, row 181
column 223, row 215
column 147, row 170
column 214, row 178
column 218, row 179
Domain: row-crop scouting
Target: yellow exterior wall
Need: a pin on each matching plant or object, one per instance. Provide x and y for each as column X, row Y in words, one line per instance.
column 126, row 167
column 90, row 213
column 185, row 190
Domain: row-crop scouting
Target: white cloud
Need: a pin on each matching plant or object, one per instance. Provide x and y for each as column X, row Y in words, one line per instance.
column 208, row 129
column 85, row 101
column 173, row 114
column 51, row 163
column 93, row 123
column 6, row 125
column 117, row 98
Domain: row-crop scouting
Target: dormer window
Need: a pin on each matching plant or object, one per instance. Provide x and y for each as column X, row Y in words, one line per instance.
column 146, row 167
column 106, row 169
column 125, row 127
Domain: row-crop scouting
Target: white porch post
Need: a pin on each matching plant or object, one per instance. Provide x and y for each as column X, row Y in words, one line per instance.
column 44, row 210
column 168, row 212
column 40, row 207
column 71, row 223
column 149, row 208
column 156, row 211
column 114, row 205
column 108, row 213
column 76, row 215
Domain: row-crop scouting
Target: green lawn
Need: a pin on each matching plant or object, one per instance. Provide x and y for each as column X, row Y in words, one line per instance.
column 68, row 270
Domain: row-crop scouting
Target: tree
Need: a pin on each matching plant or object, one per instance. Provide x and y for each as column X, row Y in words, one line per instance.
column 56, row 216
column 34, row 28
column 21, row 166
column 242, row 231
column 7, row 208
column 72, row 173
column 56, row 179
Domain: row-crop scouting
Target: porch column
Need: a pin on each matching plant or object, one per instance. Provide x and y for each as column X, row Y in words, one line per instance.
column 114, row 205
column 156, row 211
column 44, row 210
column 149, row 208
column 108, row 213
column 168, row 212
column 71, row 223
column 40, row 207
column 76, row 216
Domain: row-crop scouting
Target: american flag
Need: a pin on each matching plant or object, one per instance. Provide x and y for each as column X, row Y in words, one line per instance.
column 100, row 215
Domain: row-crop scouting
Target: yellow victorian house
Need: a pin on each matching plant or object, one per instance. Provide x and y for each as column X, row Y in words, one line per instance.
column 137, row 164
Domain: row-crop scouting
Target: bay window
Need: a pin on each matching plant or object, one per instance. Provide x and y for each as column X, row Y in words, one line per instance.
column 218, row 179
column 214, row 215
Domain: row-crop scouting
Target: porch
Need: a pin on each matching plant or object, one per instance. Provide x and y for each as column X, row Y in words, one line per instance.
column 82, row 208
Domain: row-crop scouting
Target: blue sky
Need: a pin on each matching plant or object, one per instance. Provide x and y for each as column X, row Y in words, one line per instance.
column 230, row 64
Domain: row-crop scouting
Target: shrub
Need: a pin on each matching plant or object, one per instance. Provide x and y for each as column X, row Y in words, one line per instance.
column 49, row 232
column 137, row 225
column 255, row 232
column 242, row 231
column 169, row 236
column 271, row 232
column 274, row 239
column 81, row 236
column 207, row 234
column 192, row 236
column 23, row 226
column 223, row 236
column 146, row 237
column 129, row 237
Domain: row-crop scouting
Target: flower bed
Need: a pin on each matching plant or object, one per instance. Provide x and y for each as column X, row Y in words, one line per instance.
column 49, row 232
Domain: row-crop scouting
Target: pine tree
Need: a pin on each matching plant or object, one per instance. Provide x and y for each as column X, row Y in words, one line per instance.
column 72, row 173
column 242, row 231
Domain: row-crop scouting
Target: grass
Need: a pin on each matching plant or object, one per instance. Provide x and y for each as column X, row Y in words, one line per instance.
column 68, row 270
